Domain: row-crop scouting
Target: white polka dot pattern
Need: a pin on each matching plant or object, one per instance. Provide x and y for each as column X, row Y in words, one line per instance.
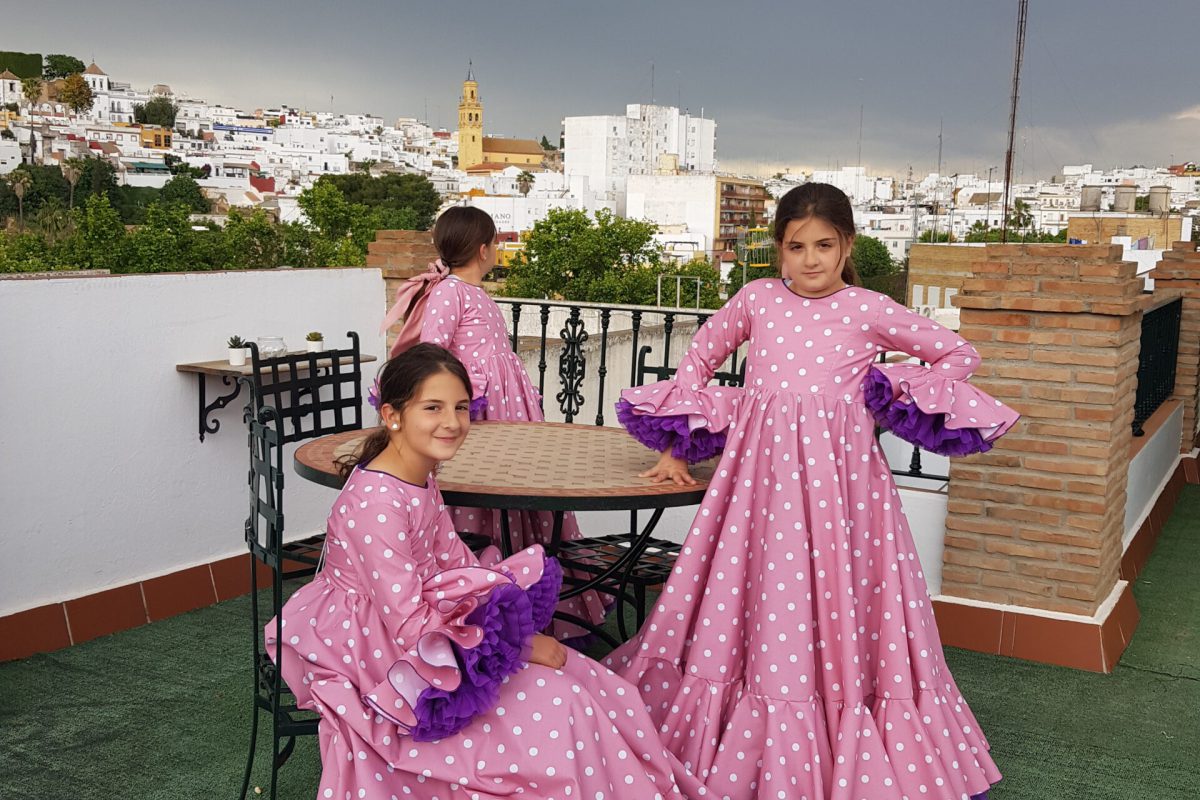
column 465, row 320
column 395, row 576
column 793, row 653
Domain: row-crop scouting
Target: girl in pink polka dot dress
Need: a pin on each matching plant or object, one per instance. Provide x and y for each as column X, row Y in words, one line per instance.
column 460, row 316
column 424, row 665
column 793, row 653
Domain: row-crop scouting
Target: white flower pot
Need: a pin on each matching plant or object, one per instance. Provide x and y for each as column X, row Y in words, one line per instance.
column 316, row 347
column 237, row 356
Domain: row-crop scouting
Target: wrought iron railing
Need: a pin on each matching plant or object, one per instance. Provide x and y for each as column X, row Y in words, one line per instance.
column 656, row 338
column 1156, row 363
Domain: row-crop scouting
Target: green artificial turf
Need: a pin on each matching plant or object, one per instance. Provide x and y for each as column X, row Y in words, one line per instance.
column 162, row 711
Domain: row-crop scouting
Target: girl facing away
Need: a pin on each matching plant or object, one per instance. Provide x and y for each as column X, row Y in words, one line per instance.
column 425, row 666
column 448, row 306
column 793, row 653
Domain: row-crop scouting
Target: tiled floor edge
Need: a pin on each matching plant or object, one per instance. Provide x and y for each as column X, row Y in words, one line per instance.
column 26, row 631
column 1093, row 644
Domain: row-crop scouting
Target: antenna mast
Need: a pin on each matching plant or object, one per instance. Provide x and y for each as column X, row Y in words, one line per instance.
column 1022, row 17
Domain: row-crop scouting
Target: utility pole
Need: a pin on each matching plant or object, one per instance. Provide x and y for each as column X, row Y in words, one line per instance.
column 987, row 221
column 937, row 186
column 1022, row 18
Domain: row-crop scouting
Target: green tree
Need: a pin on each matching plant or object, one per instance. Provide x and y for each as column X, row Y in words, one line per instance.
column 100, row 235
column 929, row 236
column 20, row 182
column 43, row 184
column 1020, row 219
column 546, row 145
column 327, row 209
column 156, row 111
column 871, row 257
column 72, row 170
column 25, row 252
column 98, row 176
column 163, row 243
column 389, row 191
column 53, row 221
column 253, row 240
column 58, row 65
column 568, row 254
column 76, row 94
column 183, row 190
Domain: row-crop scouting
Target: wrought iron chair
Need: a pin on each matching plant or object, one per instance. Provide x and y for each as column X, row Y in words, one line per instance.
column 264, row 535
column 313, row 394
column 653, row 562
column 293, row 397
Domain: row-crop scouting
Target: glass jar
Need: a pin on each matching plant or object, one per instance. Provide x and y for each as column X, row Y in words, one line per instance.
column 271, row 346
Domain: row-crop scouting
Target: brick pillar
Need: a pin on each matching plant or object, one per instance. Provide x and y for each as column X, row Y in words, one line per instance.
column 1035, row 524
column 400, row 255
column 1179, row 270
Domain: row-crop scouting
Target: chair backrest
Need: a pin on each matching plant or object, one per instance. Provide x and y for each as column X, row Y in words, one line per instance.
column 736, row 377
column 264, row 525
column 313, row 394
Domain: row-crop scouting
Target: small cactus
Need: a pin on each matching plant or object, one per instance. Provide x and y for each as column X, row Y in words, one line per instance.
column 236, row 342
column 315, row 336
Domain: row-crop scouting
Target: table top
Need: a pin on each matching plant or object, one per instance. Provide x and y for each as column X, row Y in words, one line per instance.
column 223, row 367
column 535, row 466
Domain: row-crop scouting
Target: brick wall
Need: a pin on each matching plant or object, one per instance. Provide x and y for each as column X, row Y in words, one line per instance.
column 943, row 266
column 1037, row 522
column 1179, row 271
column 400, row 255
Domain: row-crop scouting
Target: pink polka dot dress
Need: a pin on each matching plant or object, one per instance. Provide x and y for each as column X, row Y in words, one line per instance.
column 412, row 653
column 465, row 320
column 793, row 653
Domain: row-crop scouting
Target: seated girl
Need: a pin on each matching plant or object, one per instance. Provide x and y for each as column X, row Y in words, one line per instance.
column 427, row 668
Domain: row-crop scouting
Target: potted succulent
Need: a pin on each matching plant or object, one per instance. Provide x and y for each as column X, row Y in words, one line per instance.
column 316, row 342
column 237, row 351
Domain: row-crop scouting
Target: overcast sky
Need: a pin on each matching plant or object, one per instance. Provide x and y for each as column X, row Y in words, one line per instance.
column 1110, row 82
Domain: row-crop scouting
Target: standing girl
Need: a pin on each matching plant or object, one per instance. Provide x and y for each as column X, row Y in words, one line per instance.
column 414, row 654
column 794, row 653
column 448, row 306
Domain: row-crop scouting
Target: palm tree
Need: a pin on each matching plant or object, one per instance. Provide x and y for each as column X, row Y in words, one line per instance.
column 525, row 183
column 72, row 169
column 31, row 87
column 20, row 181
column 53, row 220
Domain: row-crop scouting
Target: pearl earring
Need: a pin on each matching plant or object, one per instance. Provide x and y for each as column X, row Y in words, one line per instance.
column 395, row 426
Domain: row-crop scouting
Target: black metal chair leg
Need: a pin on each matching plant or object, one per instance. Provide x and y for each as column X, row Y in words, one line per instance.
column 275, row 753
column 254, row 696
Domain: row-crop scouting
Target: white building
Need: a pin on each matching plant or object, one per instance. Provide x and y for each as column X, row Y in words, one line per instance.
column 648, row 138
column 855, row 182
column 499, row 194
column 10, row 88
column 670, row 201
column 10, row 156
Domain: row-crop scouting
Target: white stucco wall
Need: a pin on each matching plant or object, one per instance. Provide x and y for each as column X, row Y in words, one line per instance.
column 104, row 481
column 1149, row 472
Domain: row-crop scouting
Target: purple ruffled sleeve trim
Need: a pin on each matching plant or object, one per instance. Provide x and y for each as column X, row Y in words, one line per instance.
column 507, row 623
column 660, row 433
column 478, row 406
column 543, row 595
column 913, row 425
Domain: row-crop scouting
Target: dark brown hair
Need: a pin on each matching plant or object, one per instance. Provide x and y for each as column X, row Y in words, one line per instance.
column 821, row 201
column 459, row 232
column 399, row 381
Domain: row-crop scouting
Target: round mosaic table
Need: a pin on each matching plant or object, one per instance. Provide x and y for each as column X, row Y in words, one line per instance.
column 548, row 466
